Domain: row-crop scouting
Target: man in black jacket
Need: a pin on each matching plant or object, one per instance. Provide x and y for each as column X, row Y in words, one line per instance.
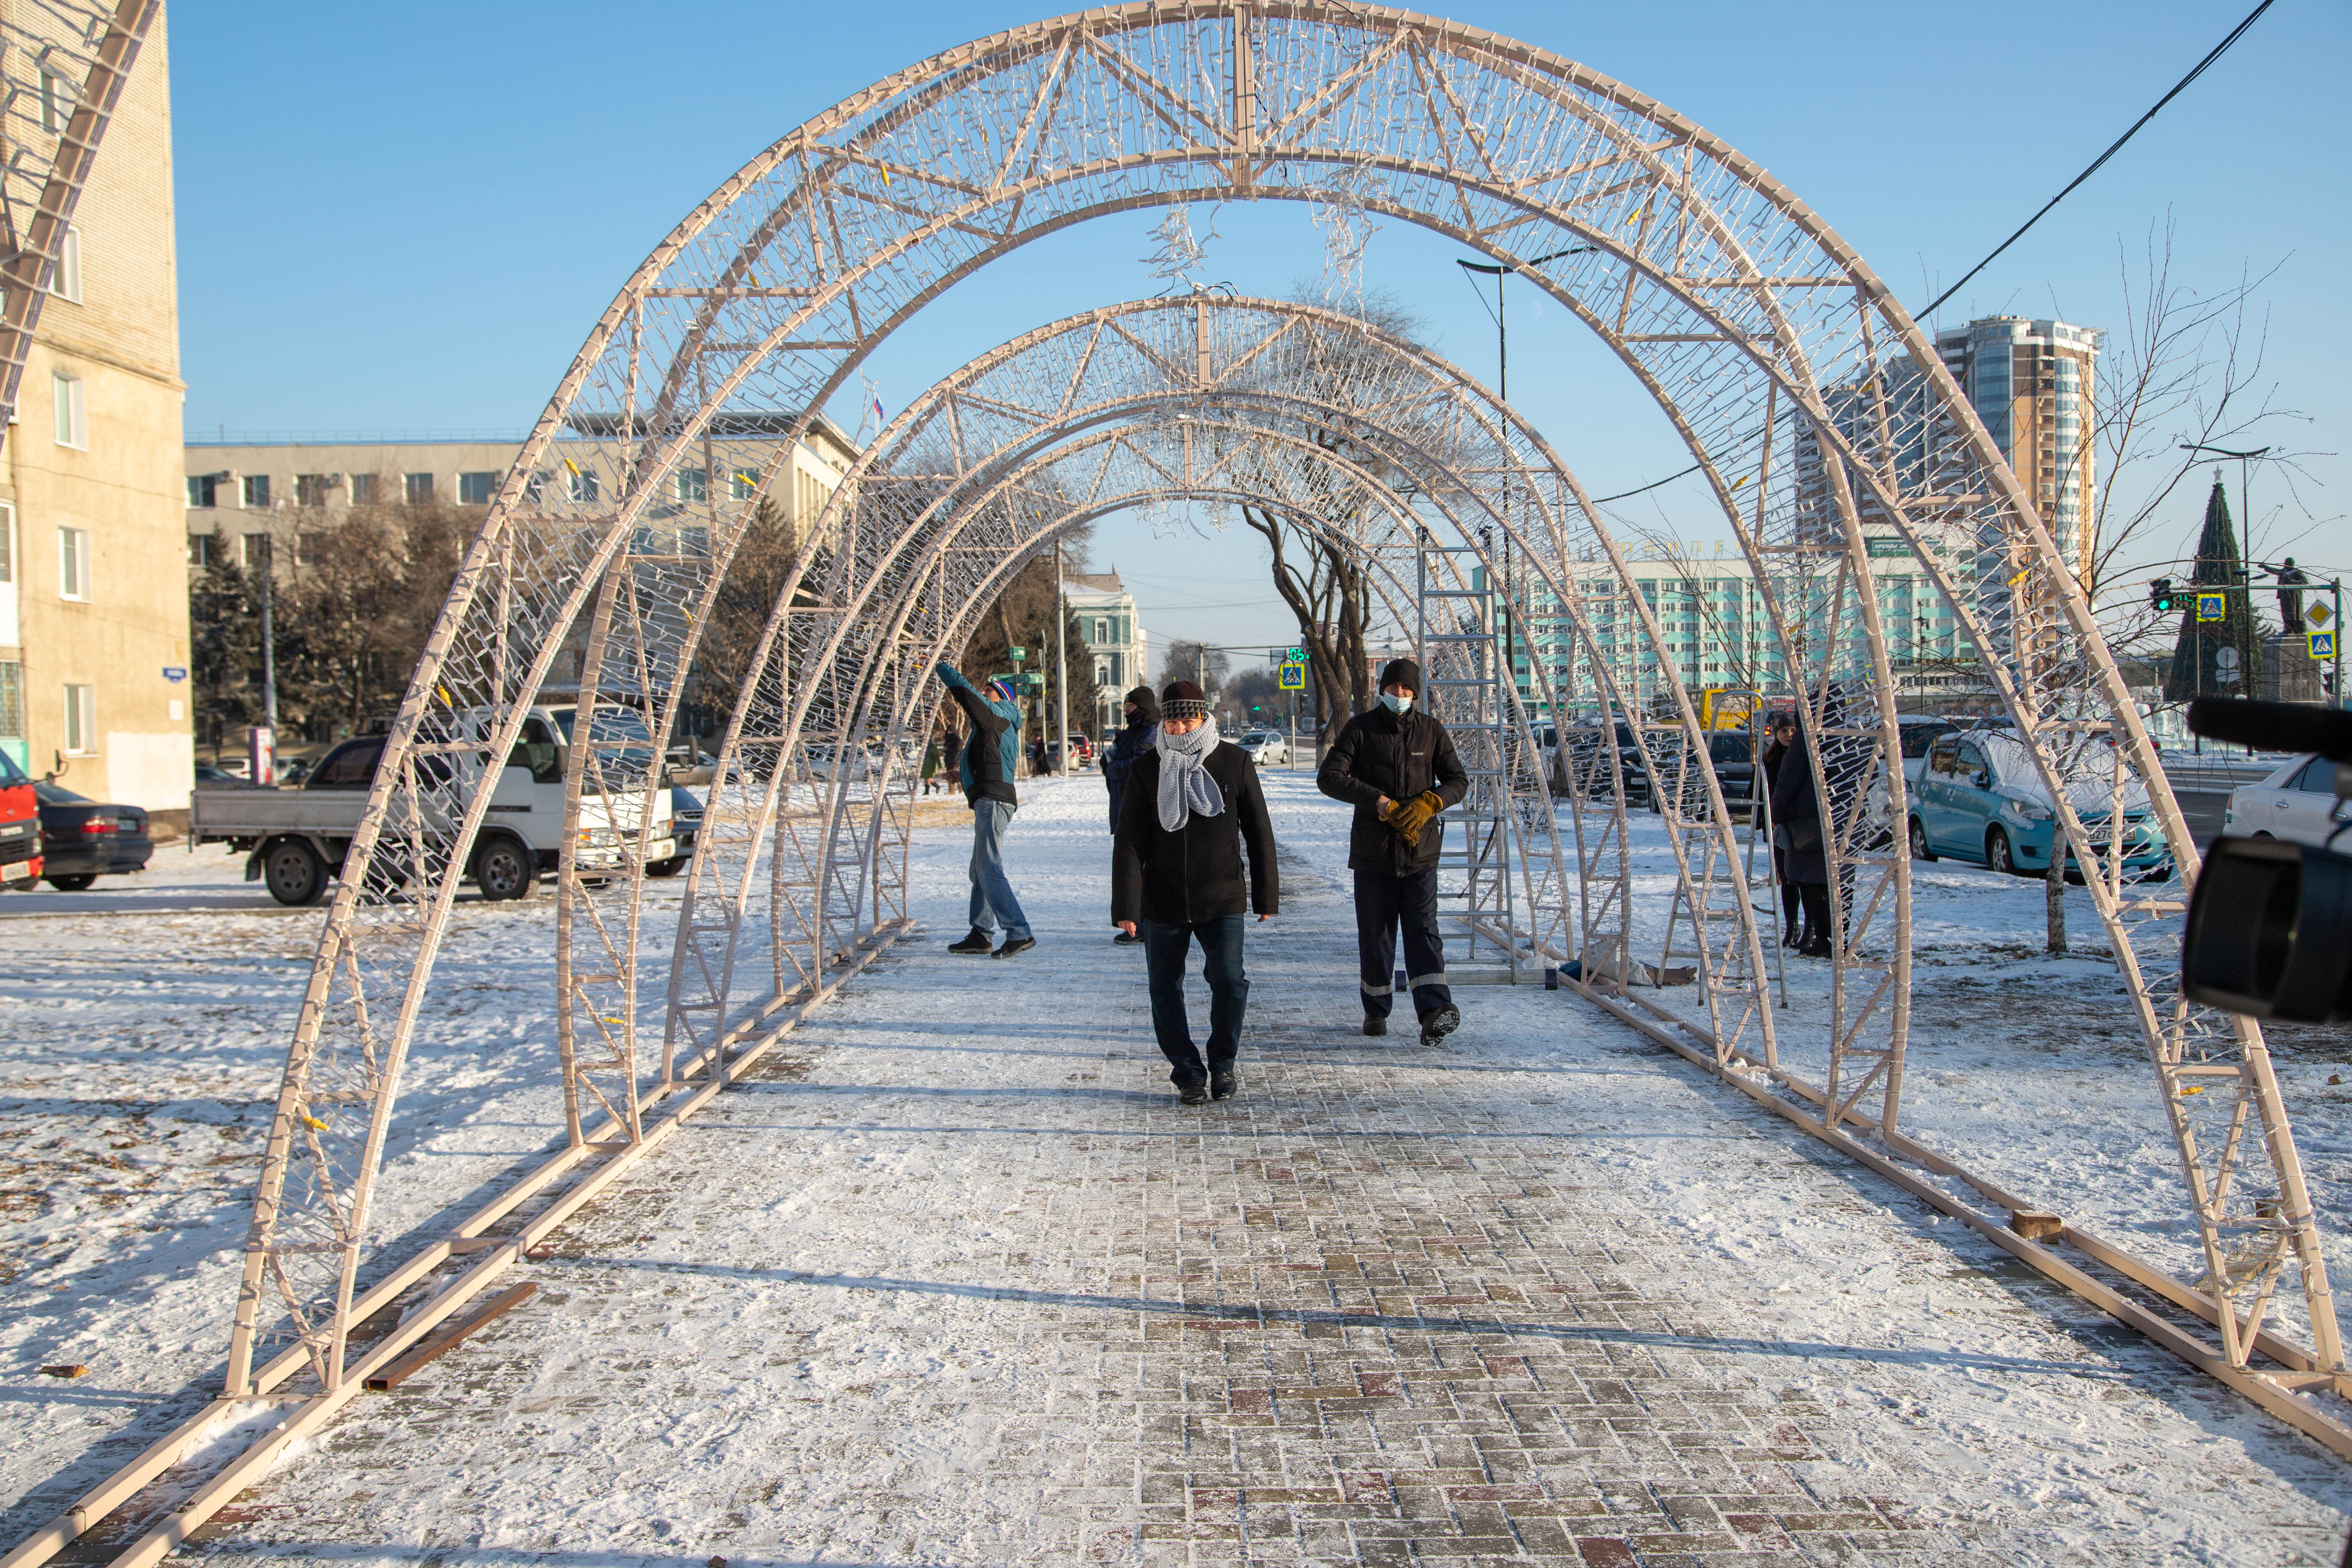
column 1397, row 767
column 1191, row 804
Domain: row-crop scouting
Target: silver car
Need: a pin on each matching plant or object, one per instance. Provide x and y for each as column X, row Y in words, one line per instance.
column 2296, row 803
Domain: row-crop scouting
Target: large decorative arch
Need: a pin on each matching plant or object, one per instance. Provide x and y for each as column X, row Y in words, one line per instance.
column 1816, row 409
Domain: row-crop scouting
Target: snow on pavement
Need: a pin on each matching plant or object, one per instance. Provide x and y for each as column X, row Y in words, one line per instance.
column 956, row 1280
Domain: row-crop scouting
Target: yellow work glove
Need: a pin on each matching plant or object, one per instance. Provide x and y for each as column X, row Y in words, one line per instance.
column 1412, row 815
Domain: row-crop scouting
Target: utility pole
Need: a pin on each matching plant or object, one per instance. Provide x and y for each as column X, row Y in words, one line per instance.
column 1061, row 663
column 262, row 751
column 1501, row 275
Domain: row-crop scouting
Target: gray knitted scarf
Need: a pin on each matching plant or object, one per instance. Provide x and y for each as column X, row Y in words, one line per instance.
column 1185, row 785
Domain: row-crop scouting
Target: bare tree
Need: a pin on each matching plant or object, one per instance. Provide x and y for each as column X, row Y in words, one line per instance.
column 1197, row 662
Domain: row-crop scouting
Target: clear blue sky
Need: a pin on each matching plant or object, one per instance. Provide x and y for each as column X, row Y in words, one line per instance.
column 409, row 218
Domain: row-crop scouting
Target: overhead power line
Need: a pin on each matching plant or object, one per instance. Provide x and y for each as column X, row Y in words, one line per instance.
column 2202, row 66
column 2218, row 51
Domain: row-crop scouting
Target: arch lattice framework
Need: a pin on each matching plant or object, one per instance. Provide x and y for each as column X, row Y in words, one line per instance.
column 1814, row 405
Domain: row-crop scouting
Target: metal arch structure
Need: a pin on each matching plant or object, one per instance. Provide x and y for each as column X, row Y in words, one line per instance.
column 63, row 64
column 1127, row 406
column 1816, row 408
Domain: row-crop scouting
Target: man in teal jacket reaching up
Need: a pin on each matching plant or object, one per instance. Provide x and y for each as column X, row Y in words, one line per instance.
column 989, row 759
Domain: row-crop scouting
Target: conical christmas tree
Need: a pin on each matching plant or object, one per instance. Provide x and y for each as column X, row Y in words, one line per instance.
column 2199, row 670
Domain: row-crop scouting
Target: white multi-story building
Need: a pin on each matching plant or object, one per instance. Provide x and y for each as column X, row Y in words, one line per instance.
column 1106, row 613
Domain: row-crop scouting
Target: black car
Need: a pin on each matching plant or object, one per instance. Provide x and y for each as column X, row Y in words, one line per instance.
column 685, row 822
column 82, row 840
column 1735, row 769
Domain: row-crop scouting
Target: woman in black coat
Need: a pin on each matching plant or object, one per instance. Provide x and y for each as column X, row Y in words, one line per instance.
column 1783, row 730
column 1796, row 805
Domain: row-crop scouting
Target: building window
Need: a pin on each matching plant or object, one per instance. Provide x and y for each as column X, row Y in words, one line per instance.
column 744, row 484
column 73, row 564
column 53, row 99
column 257, row 490
column 253, row 551
column 203, row 489
column 583, row 486
column 310, row 549
column 693, row 484
column 310, row 489
column 418, row 488
column 73, row 419
column 12, row 700
column 200, row 550
column 81, row 721
column 64, row 282
column 8, row 544
column 477, row 489
column 534, row 489
column 362, row 489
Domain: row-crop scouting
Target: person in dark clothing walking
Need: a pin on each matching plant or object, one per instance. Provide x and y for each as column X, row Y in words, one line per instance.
column 1191, row 804
column 1136, row 740
column 1796, row 805
column 986, row 773
column 1783, row 731
column 1397, row 767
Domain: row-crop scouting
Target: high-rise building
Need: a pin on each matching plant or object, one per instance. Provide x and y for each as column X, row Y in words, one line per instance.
column 93, row 606
column 2032, row 384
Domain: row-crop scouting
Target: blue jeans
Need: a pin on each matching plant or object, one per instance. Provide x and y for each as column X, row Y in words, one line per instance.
column 1164, row 947
column 993, row 907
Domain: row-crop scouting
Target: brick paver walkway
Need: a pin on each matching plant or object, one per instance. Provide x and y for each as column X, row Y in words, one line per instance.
column 958, row 1281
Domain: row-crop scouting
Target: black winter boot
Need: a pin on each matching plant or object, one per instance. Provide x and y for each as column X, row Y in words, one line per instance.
column 1224, row 1083
column 1438, row 1023
column 1376, row 1026
column 1192, row 1092
column 977, row 943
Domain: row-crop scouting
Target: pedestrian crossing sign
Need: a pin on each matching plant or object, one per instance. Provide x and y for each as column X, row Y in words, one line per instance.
column 1292, row 676
column 2212, row 606
column 2322, row 644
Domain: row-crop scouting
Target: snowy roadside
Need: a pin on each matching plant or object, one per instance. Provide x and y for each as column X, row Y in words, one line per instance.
column 911, row 1141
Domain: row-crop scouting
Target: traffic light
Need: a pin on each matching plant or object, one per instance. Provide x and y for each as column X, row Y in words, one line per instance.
column 2161, row 598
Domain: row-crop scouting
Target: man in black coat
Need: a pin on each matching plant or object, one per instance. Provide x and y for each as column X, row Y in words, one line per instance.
column 1140, row 735
column 1191, row 804
column 1397, row 767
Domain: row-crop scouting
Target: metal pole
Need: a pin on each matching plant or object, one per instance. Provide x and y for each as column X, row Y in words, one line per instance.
column 1061, row 663
column 268, row 644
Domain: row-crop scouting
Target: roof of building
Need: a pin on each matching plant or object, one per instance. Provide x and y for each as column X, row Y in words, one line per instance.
column 1093, row 582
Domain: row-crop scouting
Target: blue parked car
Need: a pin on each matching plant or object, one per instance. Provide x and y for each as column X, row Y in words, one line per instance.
column 1980, row 797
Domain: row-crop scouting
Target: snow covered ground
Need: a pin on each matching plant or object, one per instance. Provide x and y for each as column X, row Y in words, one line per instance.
column 957, row 1281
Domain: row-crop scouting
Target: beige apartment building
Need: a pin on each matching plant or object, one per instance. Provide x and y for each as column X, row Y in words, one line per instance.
column 293, row 492
column 93, row 604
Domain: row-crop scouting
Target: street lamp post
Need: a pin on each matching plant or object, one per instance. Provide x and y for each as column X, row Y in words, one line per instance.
column 1500, row 273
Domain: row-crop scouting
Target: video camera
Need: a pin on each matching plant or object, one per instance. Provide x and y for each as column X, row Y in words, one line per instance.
column 2270, row 926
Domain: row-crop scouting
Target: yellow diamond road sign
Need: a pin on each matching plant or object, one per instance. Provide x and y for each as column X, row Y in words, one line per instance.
column 2212, row 606
column 2319, row 614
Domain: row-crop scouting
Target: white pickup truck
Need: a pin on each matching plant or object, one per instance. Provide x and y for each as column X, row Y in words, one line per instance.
column 297, row 839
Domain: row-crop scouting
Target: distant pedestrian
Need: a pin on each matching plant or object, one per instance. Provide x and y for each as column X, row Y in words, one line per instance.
column 930, row 766
column 989, row 759
column 1396, row 765
column 1783, row 732
column 1176, row 875
column 1139, row 735
column 1796, row 805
